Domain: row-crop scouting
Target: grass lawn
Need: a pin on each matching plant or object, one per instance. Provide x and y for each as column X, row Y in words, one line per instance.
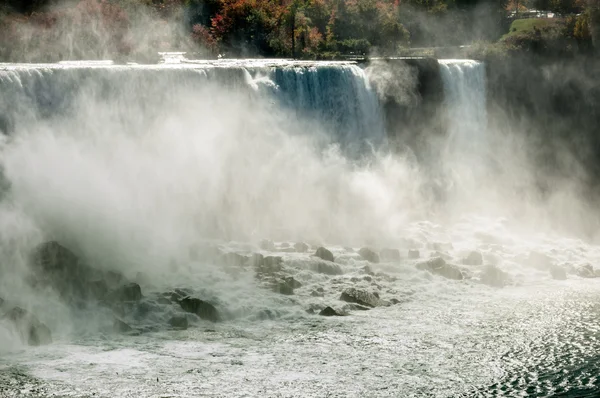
column 520, row 26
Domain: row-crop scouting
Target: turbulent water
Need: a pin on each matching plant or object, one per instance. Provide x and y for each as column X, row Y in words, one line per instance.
column 137, row 168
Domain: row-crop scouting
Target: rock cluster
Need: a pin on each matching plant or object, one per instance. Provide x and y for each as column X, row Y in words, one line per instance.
column 438, row 266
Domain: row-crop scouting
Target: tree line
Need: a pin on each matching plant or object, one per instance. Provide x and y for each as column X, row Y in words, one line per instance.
column 50, row 30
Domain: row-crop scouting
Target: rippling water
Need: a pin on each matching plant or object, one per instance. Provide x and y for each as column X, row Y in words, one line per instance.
column 534, row 337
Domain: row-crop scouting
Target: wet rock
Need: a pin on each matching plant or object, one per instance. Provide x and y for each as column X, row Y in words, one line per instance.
column 273, row 262
column 327, row 268
column 301, row 247
column 367, row 278
column 395, row 301
column 257, row 260
column 413, row 254
column 324, row 254
column 494, row 276
column 268, row 265
column 175, row 295
column 1, row 302
column 179, row 322
column 283, row 288
column 586, row 271
column 199, row 307
column 443, row 255
column 315, row 293
column 30, row 329
column 163, row 301
column 368, row 270
column 558, row 273
column 129, row 292
column 358, row 307
column 233, row 259
column 58, row 267
column 438, row 266
column 121, row 326
column 267, row 245
column 474, row 258
column 328, row 311
column 360, row 297
column 390, row 255
column 369, row 255
column 293, row 282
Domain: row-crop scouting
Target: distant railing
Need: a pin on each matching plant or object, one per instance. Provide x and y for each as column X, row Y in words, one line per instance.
column 532, row 14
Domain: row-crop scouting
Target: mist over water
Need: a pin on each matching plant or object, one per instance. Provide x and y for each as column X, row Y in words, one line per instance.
column 134, row 167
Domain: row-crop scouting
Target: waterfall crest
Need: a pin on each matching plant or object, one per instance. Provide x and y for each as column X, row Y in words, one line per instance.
column 335, row 94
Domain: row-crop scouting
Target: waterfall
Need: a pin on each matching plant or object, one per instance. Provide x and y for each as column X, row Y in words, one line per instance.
column 465, row 105
column 465, row 94
column 336, row 94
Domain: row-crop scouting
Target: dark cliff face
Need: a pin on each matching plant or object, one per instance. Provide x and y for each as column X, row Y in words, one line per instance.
column 409, row 116
column 556, row 105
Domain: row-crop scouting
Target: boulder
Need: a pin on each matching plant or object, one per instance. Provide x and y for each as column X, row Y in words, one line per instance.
column 283, row 288
column 120, row 326
column 494, row 276
column 301, row 247
column 56, row 266
column 389, row 255
column 267, row 265
column 413, row 254
column 293, row 282
column 128, row 292
column 30, row 329
column 233, row 259
column 474, row 258
column 203, row 309
column 360, row 297
column 558, row 273
column 438, row 266
column 257, row 260
column 273, row 262
column 369, row 255
column 327, row 268
column 328, row 311
column 586, row 271
column 324, row 254
column 179, row 322
column 368, row 270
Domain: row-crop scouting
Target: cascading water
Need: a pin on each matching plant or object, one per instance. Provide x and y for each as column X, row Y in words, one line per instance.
column 466, row 147
column 171, row 176
column 335, row 94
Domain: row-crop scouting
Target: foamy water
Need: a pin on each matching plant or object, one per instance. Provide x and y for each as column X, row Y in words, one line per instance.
column 138, row 166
